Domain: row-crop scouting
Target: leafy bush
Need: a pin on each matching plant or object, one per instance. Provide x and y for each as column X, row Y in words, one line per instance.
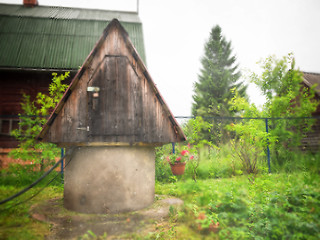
column 286, row 97
column 35, row 113
column 163, row 171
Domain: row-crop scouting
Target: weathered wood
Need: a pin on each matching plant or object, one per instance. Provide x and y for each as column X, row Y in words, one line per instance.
column 127, row 108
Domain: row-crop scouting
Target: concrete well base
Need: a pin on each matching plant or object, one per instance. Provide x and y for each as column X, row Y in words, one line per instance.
column 109, row 179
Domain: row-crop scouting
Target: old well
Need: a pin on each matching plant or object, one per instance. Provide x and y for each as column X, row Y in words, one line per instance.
column 110, row 120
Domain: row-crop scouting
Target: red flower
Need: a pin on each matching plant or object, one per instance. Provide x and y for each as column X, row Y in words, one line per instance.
column 184, row 152
column 202, row 216
column 178, row 159
column 191, row 157
column 168, row 158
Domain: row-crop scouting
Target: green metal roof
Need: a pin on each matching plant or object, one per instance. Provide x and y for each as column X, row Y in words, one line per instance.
column 57, row 37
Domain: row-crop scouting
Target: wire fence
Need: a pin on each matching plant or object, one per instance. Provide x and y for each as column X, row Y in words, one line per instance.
column 289, row 133
column 278, row 137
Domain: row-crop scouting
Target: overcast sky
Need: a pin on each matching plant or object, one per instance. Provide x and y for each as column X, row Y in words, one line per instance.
column 175, row 32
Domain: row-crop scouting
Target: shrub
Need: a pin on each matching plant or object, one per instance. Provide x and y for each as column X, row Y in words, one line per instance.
column 31, row 120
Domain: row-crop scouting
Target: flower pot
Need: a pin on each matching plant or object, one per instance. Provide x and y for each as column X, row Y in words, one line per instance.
column 178, row 168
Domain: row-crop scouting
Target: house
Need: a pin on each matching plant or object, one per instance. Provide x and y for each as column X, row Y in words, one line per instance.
column 36, row 41
column 312, row 140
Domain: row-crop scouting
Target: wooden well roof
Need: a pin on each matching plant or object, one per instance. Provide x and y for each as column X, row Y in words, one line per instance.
column 112, row 100
column 45, row 37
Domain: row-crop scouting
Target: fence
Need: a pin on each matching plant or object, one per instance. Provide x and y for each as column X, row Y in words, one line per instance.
column 310, row 139
column 218, row 135
column 290, row 133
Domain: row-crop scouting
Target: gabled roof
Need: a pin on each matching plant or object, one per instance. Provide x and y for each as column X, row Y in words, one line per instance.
column 311, row 79
column 46, row 37
column 127, row 109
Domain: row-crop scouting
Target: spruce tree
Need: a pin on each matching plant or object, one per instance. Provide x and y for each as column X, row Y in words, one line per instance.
column 212, row 92
column 218, row 76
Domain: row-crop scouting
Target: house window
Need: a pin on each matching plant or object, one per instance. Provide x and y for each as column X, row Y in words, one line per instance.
column 7, row 125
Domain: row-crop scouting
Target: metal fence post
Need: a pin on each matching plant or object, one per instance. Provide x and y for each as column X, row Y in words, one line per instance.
column 62, row 155
column 173, row 148
column 268, row 150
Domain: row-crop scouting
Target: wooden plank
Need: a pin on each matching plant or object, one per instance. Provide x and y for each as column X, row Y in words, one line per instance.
column 122, row 96
column 94, row 103
column 137, row 106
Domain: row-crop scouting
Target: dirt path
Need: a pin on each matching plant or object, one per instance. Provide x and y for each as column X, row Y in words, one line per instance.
column 70, row 225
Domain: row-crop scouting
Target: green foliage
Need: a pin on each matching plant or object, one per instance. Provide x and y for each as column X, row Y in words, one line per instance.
column 163, row 172
column 164, row 156
column 195, row 130
column 218, row 75
column 286, row 98
column 23, row 175
column 31, row 120
column 251, row 138
column 91, row 235
column 56, row 91
column 262, row 206
column 223, row 163
column 284, row 206
column 16, row 222
column 210, row 162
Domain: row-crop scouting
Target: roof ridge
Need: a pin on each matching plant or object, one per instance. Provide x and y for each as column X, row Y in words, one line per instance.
column 310, row 73
column 73, row 8
column 62, row 12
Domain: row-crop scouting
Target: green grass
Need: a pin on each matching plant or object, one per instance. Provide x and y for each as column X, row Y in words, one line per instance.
column 15, row 221
column 275, row 206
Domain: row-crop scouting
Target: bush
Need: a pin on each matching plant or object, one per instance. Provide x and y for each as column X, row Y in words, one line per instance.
column 34, row 115
column 163, row 171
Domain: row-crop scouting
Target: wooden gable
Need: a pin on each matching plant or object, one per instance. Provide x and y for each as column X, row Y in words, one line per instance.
column 112, row 99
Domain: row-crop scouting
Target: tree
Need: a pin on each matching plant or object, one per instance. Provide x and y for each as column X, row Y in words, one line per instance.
column 34, row 115
column 219, row 75
column 286, row 96
column 287, row 99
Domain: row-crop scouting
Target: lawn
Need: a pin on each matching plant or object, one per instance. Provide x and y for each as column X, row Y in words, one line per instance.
column 274, row 206
column 15, row 221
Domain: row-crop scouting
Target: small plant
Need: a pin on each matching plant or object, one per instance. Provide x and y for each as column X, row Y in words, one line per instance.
column 180, row 157
column 195, row 130
column 207, row 223
column 35, row 112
